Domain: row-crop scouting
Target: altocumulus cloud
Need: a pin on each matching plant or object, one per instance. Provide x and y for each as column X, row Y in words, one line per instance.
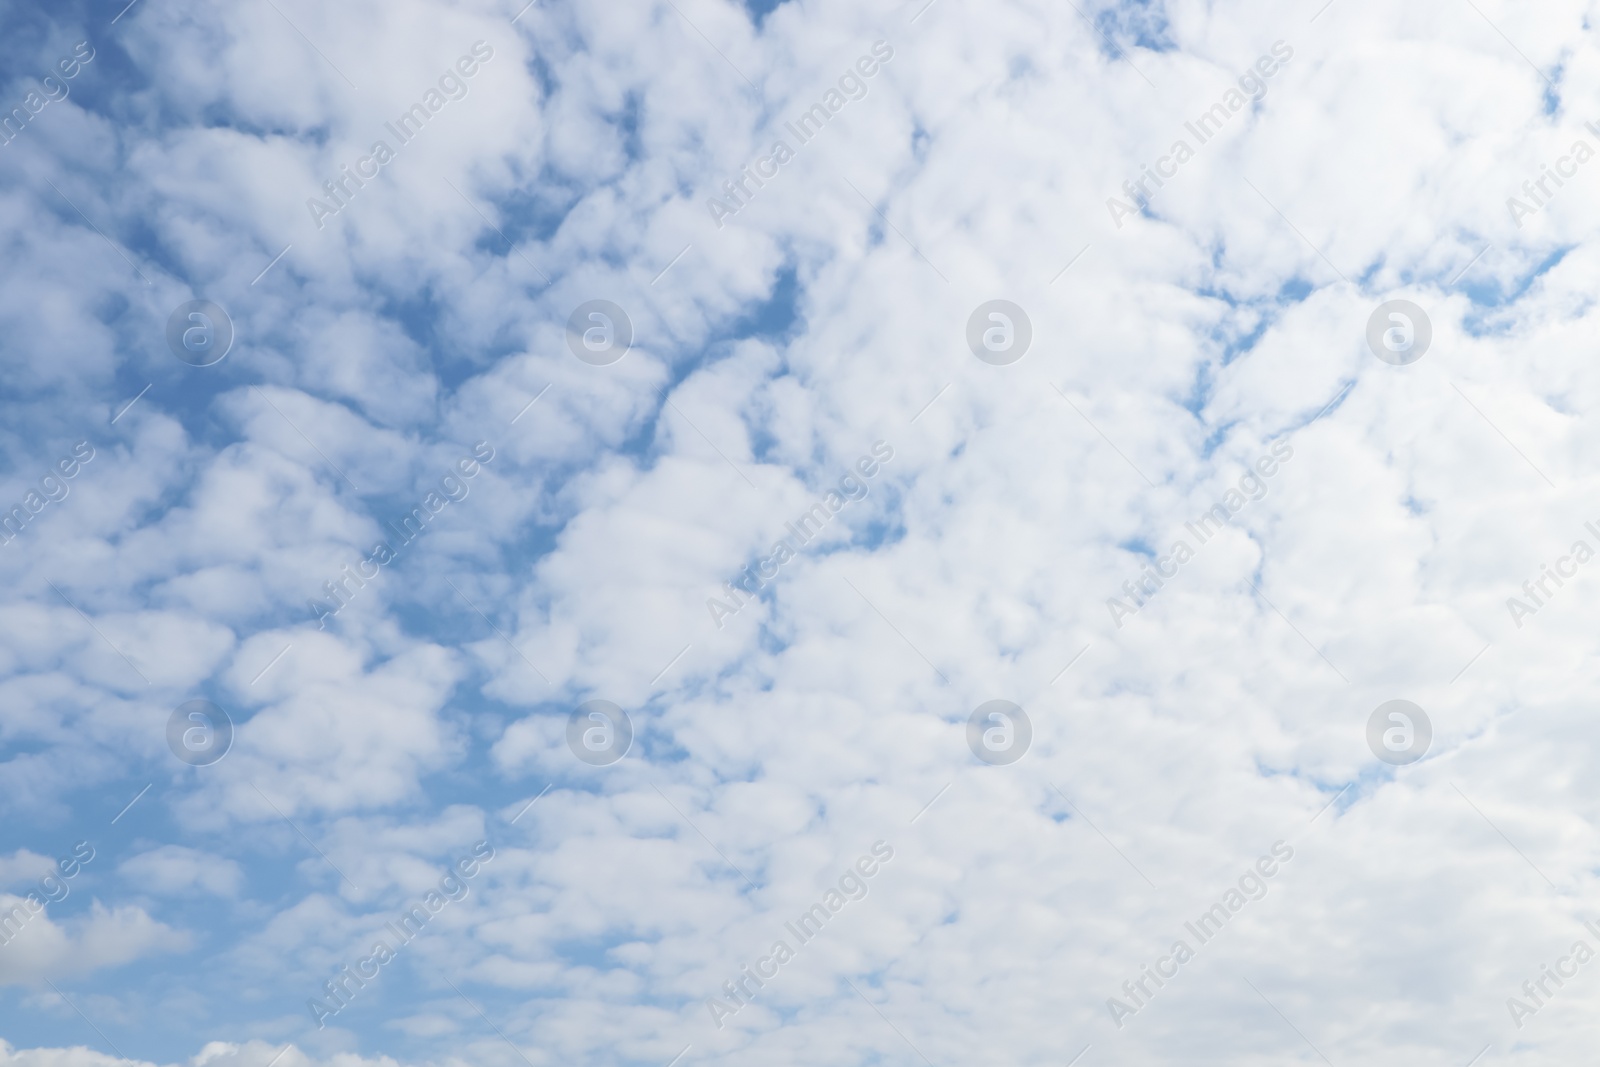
column 1331, row 262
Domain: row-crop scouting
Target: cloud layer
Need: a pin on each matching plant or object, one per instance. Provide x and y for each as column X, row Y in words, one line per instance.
column 550, row 326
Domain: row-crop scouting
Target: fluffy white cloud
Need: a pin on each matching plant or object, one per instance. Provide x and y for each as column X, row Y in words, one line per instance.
column 41, row 948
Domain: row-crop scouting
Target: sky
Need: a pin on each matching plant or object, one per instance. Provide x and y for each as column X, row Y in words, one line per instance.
column 680, row 532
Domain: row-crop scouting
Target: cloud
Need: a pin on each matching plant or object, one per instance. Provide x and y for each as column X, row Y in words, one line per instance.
column 22, row 867
column 104, row 937
column 175, row 869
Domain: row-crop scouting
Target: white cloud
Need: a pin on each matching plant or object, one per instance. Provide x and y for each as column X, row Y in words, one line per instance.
column 175, row 869
column 43, row 948
column 23, row 867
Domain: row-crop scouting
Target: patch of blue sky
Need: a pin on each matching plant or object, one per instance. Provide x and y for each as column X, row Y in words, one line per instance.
column 1144, row 23
column 760, row 9
column 1489, row 294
